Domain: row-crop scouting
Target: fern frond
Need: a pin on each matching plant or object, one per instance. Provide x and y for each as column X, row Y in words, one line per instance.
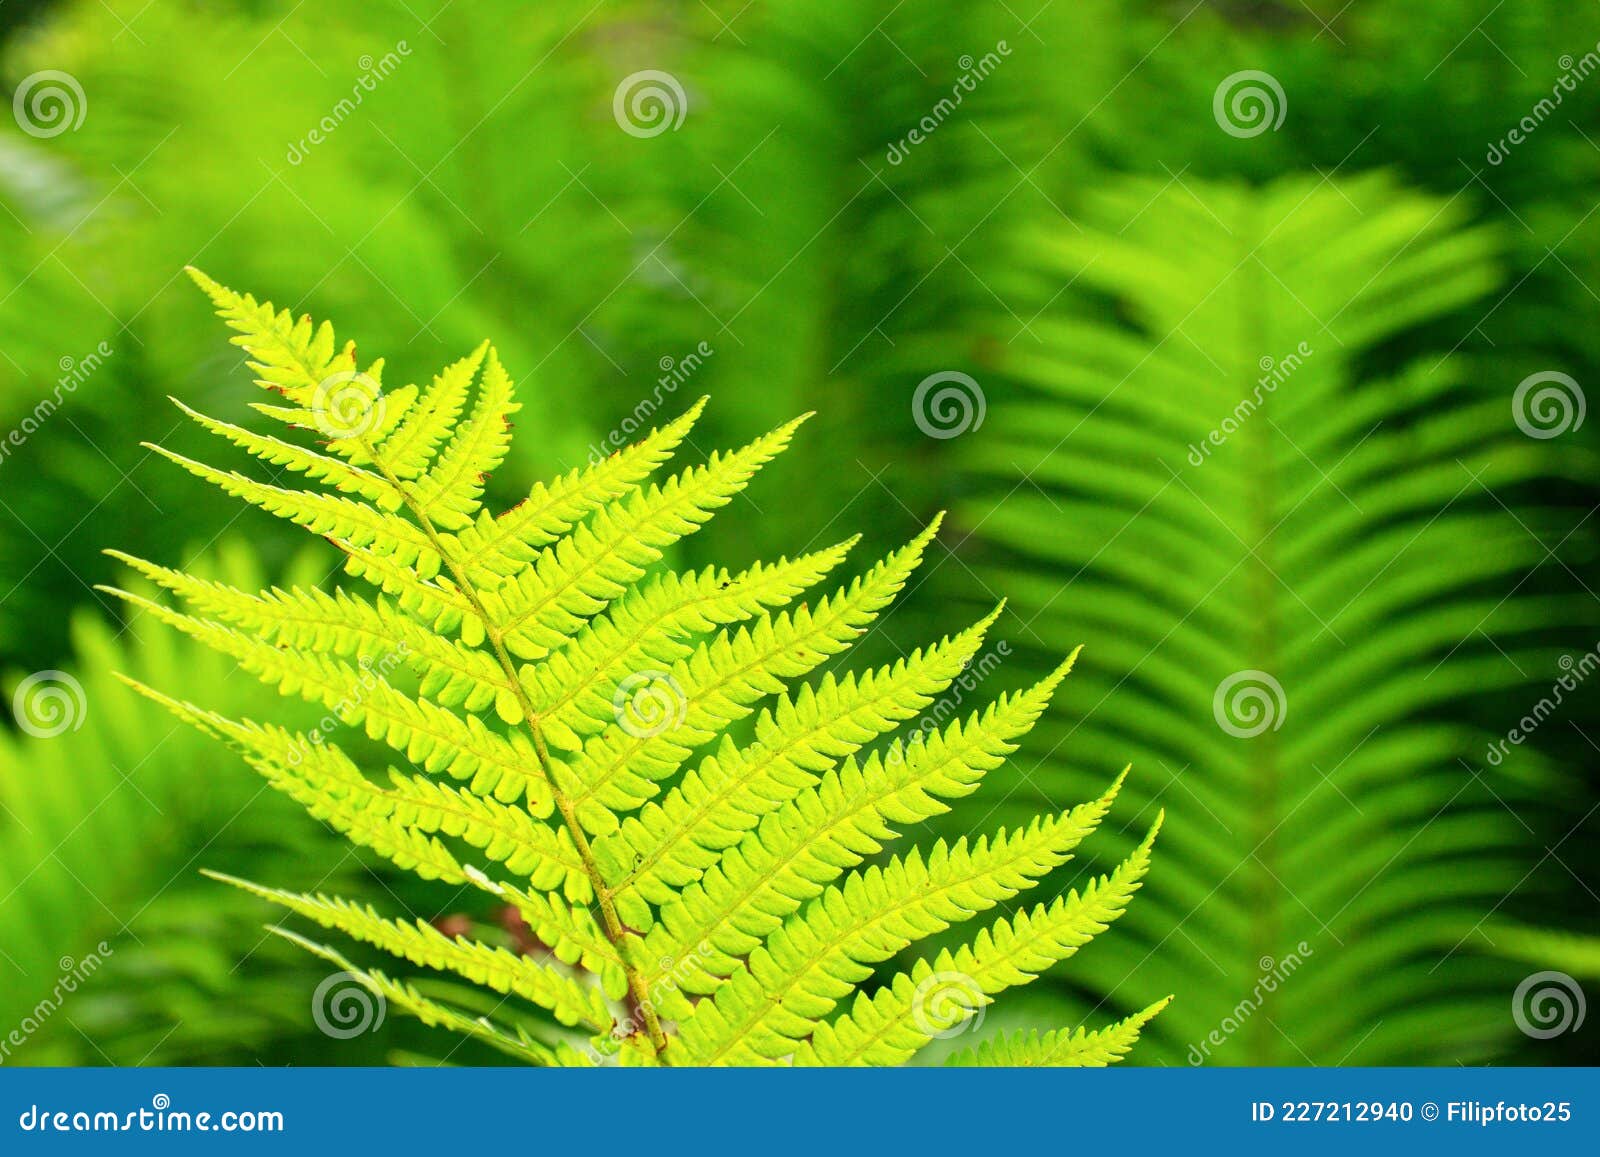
column 1084, row 1048
column 775, row 999
column 416, row 438
column 652, row 628
column 427, row 734
column 824, row 830
column 449, row 496
column 580, row 575
column 621, row 769
column 503, row 544
column 403, row 996
column 346, row 625
column 655, row 855
column 891, row 1026
column 668, row 845
column 335, row 472
column 341, row 519
column 568, row 1000
column 1256, row 516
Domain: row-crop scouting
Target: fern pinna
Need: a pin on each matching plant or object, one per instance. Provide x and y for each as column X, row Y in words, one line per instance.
column 697, row 898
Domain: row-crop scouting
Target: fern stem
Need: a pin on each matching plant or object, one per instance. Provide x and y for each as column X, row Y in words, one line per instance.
column 639, row 995
column 1264, row 761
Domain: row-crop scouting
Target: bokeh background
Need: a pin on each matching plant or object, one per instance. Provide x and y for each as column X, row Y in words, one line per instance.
column 1247, row 344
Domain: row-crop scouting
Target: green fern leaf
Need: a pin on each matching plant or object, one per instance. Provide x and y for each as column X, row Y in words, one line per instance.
column 1256, row 524
column 583, row 695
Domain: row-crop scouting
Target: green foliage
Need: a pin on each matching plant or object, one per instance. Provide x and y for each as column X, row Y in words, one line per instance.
column 700, row 900
column 113, row 951
column 1252, row 529
column 1548, row 948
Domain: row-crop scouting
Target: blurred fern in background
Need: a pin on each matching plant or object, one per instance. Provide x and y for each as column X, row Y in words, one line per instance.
column 1289, row 574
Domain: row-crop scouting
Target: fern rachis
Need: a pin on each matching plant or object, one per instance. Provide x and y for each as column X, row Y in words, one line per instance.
column 704, row 898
